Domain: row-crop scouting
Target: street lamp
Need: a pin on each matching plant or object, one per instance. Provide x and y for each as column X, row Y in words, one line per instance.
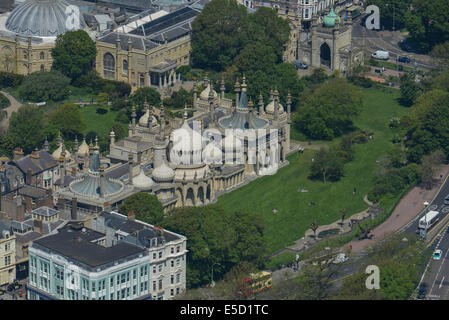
column 212, row 284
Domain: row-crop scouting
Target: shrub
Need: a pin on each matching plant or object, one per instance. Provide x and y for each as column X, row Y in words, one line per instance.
column 44, row 86
column 101, row 111
column 4, row 101
column 9, row 79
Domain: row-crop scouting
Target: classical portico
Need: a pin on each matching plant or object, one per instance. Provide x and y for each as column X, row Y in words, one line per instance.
column 163, row 74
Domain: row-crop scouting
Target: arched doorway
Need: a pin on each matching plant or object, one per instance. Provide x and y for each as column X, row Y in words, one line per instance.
column 325, row 55
column 208, row 193
column 190, row 198
column 180, row 202
column 200, row 196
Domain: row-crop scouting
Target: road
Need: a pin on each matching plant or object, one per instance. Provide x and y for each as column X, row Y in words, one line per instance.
column 388, row 41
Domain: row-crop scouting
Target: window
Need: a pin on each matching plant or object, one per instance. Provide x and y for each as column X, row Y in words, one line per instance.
column 123, row 278
column 177, row 249
column 172, row 263
column 42, row 55
column 178, row 262
column 160, row 268
column 154, row 285
column 160, row 254
column 112, row 282
column 134, row 274
column 142, row 80
column 172, row 250
column 134, row 290
column 7, row 260
column 178, row 278
column 160, row 284
column 109, row 66
column 42, row 70
column 154, row 269
column 154, row 256
column 125, row 66
column 177, row 290
column 93, row 286
column 172, row 292
column 172, row 279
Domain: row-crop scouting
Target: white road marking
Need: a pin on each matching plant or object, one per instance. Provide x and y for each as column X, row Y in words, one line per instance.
column 441, row 282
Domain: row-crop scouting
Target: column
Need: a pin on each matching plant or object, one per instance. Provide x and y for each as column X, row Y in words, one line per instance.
column 160, row 81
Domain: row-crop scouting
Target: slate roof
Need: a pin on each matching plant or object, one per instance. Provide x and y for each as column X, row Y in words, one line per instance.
column 33, row 192
column 37, row 165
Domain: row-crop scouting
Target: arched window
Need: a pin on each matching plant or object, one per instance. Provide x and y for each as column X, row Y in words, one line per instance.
column 125, row 66
column 109, row 66
column 42, row 55
column 42, row 68
column 142, row 80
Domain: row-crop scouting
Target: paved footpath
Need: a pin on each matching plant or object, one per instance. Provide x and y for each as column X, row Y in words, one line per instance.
column 406, row 210
column 15, row 105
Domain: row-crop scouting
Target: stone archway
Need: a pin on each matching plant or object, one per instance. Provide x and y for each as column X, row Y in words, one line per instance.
column 208, row 193
column 190, row 198
column 180, row 202
column 325, row 55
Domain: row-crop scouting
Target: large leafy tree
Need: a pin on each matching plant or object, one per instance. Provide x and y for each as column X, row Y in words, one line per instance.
column 410, row 90
column 216, row 236
column 145, row 93
column 74, row 53
column 44, row 86
column 26, row 128
column 68, row 120
column 391, row 9
column 218, row 34
column 328, row 110
column 327, row 165
column 428, row 23
column 146, row 207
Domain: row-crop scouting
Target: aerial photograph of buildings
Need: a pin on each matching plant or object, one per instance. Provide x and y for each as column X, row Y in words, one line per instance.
column 205, row 151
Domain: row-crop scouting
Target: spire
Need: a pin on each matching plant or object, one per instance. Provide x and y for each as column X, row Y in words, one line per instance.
column 222, row 87
column 271, row 94
column 96, row 143
column 76, row 144
column 237, row 90
column 46, row 145
column 260, row 104
column 59, row 139
column 133, row 117
column 162, row 117
column 185, row 112
column 112, row 136
column 244, row 84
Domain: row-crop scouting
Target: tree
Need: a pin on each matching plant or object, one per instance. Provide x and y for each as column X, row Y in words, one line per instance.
column 314, row 227
column 68, row 120
column 410, row 90
column 103, row 99
column 44, row 86
column 146, row 207
column 26, row 128
column 119, row 131
column 440, row 53
column 429, row 164
column 139, row 96
column 392, row 9
column 216, row 236
column 74, row 53
column 327, row 165
column 218, row 34
column 328, row 110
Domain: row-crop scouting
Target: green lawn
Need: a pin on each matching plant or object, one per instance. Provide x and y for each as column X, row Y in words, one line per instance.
column 100, row 123
column 282, row 191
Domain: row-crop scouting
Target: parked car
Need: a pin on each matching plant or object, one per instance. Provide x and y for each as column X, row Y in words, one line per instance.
column 300, row 65
column 404, row 59
column 381, row 55
column 404, row 45
column 437, row 254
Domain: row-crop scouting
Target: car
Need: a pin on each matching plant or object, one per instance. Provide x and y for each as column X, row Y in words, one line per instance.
column 446, row 199
column 437, row 254
column 404, row 45
column 404, row 59
column 300, row 65
column 10, row 287
column 422, row 291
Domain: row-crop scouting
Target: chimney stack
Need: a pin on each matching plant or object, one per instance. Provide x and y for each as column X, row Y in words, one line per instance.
column 131, row 216
column 74, row 212
column 18, row 154
column 130, row 174
column 28, row 177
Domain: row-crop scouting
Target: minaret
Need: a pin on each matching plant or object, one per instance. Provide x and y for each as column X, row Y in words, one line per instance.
column 237, row 90
column 46, row 145
column 261, row 106
column 150, row 118
column 250, row 113
column 133, row 119
column 112, row 136
column 195, row 94
column 222, row 88
column 244, row 84
column 162, row 126
column 211, row 102
column 76, row 152
column 61, row 166
column 276, row 104
column 130, row 173
column 271, row 95
column 185, row 116
column 91, row 153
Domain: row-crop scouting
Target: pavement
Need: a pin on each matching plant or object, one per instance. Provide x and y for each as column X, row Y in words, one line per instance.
column 15, row 294
column 15, row 105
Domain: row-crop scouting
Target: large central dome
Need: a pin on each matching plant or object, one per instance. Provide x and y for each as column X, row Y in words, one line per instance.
column 41, row 18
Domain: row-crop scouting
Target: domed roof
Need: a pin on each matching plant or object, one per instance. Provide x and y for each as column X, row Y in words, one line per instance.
column 83, row 149
column 89, row 185
column 57, row 153
column 205, row 94
column 163, row 173
column 143, row 121
column 40, row 18
column 185, row 139
column 270, row 108
column 142, row 181
column 329, row 19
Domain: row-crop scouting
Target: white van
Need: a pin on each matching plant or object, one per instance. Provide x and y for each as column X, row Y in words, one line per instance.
column 381, row 55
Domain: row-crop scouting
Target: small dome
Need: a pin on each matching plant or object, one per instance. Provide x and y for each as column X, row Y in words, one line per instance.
column 40, row 18
column 330, row 19
column 143, row 121
column 205, row 94
column 83, row 150
column 142, row 181
column 57, row 153
column 163, row 173
column 231, row 142
column 270, row 108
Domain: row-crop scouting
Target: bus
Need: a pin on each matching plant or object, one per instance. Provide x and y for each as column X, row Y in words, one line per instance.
column 352, row 11
column 256, row 283
column 428, row 220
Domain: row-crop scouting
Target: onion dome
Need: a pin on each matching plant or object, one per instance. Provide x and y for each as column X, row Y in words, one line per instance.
column 89, row 186
column 41, row 18
column 83, row 150
column 163, row 173
column 58, row 153
column 270, row 108
column 143, row 121
column 142, row 181
column 186, row 140
column 205, row 93
column 330, row 19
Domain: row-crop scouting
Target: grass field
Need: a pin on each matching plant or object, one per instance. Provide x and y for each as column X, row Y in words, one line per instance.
column 282, row 191
column 100, row 123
